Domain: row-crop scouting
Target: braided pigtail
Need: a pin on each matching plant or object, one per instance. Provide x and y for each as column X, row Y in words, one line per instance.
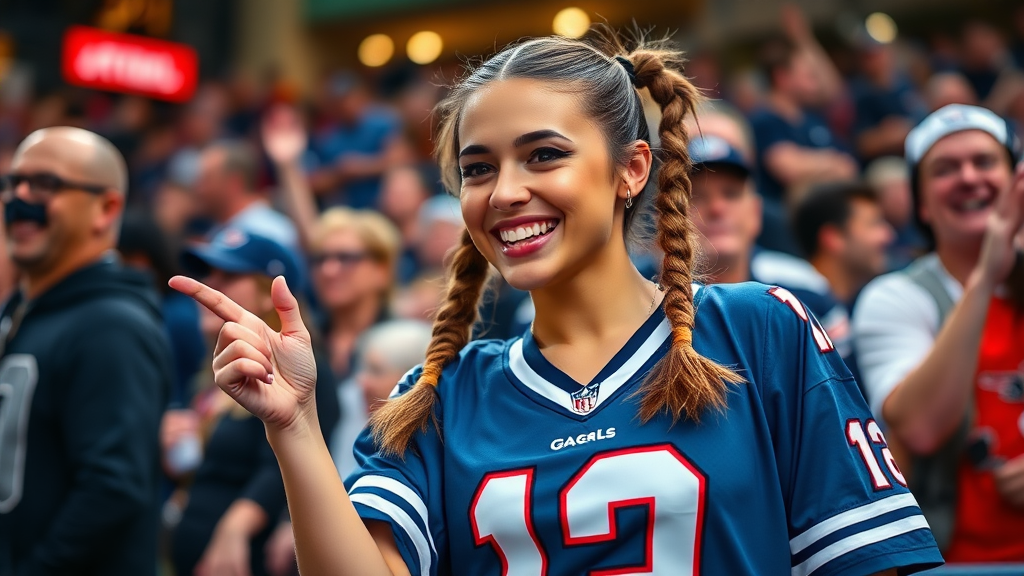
column 397, row 420
column 684, row 383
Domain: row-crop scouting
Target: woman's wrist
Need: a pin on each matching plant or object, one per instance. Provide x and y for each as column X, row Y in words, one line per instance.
column 303, row 427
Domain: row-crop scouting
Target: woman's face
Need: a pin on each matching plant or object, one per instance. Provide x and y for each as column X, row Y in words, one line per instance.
column 344, row 272
column 243, row 289
column 539, row 186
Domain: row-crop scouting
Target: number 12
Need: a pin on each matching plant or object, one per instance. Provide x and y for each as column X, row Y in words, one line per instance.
column 658, row 477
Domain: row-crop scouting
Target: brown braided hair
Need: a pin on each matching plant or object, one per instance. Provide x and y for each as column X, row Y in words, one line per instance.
column 397, row 420
column 684, row 383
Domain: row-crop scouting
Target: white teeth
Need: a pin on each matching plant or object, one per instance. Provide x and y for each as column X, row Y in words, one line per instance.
column 529, row 231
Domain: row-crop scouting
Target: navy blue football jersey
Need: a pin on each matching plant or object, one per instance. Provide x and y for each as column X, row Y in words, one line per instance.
column 530, row 473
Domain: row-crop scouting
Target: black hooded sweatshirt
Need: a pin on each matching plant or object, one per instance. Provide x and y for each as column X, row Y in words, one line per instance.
column 84, row 374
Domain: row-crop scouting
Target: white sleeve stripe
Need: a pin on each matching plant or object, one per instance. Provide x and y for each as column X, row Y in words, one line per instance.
column 859, row 540
column 849, row 518
column 401, row 491
column 401, row 518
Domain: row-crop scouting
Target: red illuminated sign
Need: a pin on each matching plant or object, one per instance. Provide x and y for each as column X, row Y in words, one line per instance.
column 125, row 63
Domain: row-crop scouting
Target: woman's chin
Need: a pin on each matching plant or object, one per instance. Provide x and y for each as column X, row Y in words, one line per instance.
column 526, row 277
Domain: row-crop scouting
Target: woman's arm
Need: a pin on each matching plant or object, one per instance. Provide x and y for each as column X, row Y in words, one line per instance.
column 330, row 537
column 273, row 375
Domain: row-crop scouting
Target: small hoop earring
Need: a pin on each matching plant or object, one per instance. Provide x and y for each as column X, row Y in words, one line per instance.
column 629, row 199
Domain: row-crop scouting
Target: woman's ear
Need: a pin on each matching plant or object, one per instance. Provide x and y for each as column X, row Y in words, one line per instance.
column 637, row 170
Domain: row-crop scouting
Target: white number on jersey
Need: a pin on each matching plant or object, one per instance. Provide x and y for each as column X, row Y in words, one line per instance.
column 794, row 303
column 18, row 376
column 658, row 477
column 855, row 434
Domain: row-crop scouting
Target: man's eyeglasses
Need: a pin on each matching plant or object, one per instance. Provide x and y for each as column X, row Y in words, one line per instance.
column 42, row 186
column 345, row 259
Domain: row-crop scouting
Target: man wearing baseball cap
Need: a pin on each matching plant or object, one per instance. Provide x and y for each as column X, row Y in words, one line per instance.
column 727, row 212
column 941, row 344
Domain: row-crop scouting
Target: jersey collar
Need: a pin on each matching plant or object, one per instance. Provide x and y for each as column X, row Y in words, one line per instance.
column 532, row 370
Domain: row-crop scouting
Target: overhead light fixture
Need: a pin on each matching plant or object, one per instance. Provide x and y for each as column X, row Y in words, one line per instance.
column 881, row 27
column 376, row 49
column 424, row 47
column 571, row 22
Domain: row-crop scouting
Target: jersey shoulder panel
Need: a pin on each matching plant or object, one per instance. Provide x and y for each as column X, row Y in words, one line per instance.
column 774, row 330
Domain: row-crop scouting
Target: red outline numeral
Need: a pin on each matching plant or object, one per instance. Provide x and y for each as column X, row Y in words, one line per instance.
column 820, row 337
column 527, row 497
column 862, row 436
column 650, row 502
column 513, row 489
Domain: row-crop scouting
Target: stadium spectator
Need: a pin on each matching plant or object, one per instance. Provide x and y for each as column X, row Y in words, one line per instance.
column 795, row 146
column 144, row 246
column 939, row 344
column 887, row 104
column 385, row 353
column 236, row 497
column 402, row 195
column 355, row 147
column 986, row 61
column 727, row 213
column 200, row 123
column 842, row 229
column 439, row 225
column 353, row 254
column 947, row 88
column 85, row 366
column 225, row 191
column 890, row 178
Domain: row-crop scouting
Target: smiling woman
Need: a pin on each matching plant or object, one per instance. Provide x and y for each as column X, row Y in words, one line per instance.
column 673, row 466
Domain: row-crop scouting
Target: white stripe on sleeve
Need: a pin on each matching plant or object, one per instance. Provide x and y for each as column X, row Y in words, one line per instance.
column 859, row 540
column 401, row 491
column 401, row 518
column 849, row 518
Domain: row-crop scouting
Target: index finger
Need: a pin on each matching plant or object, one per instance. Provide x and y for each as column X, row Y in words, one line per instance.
column 224, row 307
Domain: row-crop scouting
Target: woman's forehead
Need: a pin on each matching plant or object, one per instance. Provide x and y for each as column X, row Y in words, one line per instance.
column 506, row 109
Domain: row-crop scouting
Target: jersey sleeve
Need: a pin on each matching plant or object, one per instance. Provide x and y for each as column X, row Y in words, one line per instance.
column 849, row 510
column 404, row 492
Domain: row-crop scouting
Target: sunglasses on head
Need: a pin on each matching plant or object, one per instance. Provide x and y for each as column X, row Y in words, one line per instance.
column 42, row 186
column 343, row 258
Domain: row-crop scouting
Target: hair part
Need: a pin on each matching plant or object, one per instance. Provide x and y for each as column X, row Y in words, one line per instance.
column 684, row 383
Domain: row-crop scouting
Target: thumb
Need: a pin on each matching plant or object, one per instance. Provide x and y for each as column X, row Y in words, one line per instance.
column 287, row 307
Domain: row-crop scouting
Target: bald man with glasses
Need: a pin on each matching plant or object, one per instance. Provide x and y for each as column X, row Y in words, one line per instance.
column 84, row 369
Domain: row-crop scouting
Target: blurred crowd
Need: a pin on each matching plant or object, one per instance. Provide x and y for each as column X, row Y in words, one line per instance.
column 801, row 180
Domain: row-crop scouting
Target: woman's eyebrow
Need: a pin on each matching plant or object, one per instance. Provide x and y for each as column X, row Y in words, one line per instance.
column 474, row 149
column 536, row 135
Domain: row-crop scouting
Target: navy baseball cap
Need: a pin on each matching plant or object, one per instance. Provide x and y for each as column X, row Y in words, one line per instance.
column 714, row 152
column 238, row 251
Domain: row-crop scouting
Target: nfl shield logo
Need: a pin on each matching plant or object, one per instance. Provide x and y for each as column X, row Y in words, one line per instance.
column 585, row 399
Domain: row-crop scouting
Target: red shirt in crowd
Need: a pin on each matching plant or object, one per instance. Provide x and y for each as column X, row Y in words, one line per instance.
column 987, row 528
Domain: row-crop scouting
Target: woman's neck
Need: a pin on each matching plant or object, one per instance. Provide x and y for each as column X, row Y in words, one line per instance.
column 607, row 298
